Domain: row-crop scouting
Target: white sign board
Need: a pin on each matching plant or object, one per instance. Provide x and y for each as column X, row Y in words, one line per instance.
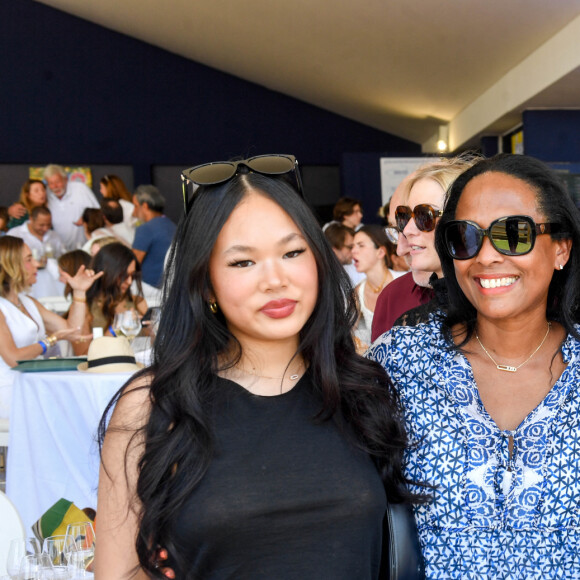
column 394, row 170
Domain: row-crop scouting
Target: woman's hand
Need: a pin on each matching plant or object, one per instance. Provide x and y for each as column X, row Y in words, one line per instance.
column 82, row 280
column 16, row 210
column 73, row 335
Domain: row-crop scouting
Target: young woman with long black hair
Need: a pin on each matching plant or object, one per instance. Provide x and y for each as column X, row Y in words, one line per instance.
column 258, row 444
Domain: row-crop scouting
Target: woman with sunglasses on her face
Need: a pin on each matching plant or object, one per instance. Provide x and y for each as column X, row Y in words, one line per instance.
column 415, row 223
column 258, row 444
column 490, row 386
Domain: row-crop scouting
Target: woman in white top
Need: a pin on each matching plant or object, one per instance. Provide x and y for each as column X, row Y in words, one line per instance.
column 370, row 256
column 113, row 187
column 24, row 322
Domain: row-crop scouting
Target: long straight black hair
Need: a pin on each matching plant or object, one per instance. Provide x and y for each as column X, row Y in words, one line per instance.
column 556, row 204
column 191, row 340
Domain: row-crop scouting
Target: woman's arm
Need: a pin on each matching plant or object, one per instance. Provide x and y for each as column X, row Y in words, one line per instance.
column 118, row 508
column 9, row 351
column 80, row 283
column 141, row 305
column 76, row 328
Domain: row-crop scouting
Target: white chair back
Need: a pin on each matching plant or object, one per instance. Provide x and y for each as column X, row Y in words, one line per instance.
column 11, row 527
column 4, row 432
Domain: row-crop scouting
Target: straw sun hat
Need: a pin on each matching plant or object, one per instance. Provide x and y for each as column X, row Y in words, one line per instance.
column 110, row 354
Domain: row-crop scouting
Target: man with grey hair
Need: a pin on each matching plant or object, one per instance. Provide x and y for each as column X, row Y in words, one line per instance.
column 154, row 236
column 67, row 200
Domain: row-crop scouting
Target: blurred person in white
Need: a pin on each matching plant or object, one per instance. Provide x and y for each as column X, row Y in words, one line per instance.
column 38, row 235
column 113, row 214
column 67, row 200
column 371, row 257
column 113, row 188
column 24, row 322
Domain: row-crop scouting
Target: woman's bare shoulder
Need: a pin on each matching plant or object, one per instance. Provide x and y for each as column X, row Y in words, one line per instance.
column 134, row 403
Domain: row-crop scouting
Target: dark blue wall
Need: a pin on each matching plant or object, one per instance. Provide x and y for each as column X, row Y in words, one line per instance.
column 74, row 92
column 552, row 135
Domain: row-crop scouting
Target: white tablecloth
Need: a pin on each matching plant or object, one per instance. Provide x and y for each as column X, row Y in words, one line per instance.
column 53, row 451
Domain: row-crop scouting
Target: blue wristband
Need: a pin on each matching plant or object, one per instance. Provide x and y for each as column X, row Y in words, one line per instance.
column 43, row 345
column 113, row 333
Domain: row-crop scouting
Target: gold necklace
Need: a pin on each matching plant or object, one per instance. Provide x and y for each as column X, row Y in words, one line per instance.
column 509, row 368
column 18, row 304
column 379, row 288
column 293, row 377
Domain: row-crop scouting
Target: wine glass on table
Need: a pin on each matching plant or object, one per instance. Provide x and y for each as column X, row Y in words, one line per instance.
column 81, row 537
column 131, row 324
column 18, row 550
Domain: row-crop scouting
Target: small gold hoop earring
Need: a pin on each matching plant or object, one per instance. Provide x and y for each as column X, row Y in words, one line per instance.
column 213, row 306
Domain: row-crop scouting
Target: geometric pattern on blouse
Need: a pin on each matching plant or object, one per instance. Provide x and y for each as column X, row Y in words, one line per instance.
column 493, row 515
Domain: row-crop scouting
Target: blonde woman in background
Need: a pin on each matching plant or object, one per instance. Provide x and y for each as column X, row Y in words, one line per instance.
column 32, row 194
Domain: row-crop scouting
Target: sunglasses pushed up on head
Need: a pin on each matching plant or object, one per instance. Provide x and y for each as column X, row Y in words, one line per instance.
column 222, row 171
column 513, row 235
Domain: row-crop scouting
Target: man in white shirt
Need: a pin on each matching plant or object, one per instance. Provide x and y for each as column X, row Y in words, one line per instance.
column 38, row 235
column 67, row 201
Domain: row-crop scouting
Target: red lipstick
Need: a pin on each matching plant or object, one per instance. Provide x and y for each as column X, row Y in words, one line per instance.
column 279, row 308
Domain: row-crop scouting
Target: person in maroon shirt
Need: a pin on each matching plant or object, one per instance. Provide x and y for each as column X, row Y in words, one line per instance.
column 401, row 295
column 425, row 187
column 408, row 291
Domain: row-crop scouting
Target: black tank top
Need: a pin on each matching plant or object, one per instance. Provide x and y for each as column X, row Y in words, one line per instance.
column 285, row 497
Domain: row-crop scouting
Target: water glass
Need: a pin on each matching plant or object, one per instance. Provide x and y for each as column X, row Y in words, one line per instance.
column 19, row 549
column 36, row 567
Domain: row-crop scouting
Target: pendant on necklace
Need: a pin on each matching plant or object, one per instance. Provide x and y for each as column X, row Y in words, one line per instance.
column 506, row 368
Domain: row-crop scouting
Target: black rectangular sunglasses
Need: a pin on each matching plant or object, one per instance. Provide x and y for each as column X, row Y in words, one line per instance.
column 222, row 171
column 513, row 235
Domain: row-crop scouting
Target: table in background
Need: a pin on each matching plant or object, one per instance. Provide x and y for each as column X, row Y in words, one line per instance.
column 53, row 451
column 47, row 282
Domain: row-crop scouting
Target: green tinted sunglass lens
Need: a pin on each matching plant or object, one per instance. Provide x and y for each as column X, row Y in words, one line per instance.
column 512, row 236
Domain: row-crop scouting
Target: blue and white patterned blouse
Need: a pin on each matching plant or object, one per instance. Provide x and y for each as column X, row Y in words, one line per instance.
column 493, row 516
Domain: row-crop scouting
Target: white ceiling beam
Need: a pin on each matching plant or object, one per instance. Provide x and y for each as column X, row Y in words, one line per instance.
column 547, row 65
